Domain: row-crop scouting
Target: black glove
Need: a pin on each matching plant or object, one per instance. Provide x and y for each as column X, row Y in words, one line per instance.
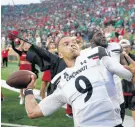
column 133, row 103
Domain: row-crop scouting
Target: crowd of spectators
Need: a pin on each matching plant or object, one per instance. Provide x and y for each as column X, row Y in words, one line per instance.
column 70, row 17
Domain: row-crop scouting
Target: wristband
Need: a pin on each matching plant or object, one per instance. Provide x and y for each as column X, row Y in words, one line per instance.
column 28, row 92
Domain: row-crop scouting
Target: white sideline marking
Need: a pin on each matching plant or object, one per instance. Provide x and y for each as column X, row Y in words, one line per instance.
column 35, row 91
column 128, row 119
column 16, row 125
column 4, row 85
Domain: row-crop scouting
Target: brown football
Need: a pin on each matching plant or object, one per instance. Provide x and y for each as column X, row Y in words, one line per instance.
column 20, row 79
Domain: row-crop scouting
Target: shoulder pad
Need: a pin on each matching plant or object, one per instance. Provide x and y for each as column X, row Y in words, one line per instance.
column 102, row 52
column 98, row 51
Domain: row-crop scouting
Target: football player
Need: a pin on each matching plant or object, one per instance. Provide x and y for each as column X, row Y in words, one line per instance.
column 97, row 38
column 87, row 85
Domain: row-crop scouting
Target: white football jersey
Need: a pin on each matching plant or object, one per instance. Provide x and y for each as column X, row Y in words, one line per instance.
column 114, row 50
column 89, row 88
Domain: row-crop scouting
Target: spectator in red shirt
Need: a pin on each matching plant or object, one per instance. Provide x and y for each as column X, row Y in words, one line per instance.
column 5, row 56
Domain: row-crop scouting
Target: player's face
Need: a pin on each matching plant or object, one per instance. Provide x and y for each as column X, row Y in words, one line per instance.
column 79, row 42
column 99, row 39
column 68, row 48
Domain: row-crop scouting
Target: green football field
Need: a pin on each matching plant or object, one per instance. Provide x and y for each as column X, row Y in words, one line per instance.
column 12, row 112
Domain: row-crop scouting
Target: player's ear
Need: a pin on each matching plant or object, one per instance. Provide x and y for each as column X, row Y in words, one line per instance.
column 91, row 41
column 60, row 55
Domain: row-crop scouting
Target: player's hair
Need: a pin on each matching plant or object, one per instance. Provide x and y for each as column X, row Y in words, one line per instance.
column 61, row 36
column 91, row 33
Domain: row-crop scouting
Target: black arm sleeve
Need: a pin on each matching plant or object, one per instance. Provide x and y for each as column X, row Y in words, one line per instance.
column 43, row 58
column 34, row 70
column 45, row 54
column 34, row 58
column 17, row 51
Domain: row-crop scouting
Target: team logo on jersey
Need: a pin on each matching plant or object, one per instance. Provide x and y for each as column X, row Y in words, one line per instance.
column 73, row 75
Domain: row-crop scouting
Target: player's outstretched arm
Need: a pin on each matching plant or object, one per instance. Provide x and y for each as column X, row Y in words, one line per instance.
column 31, row 105
column 41, row 57
column 45, row 54
column 116, row 68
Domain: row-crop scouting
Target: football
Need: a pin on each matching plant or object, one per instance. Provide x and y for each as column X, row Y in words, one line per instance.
column 20, row 79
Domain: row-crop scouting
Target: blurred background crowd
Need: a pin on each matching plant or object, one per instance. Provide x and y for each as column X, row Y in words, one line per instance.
column 38, row 22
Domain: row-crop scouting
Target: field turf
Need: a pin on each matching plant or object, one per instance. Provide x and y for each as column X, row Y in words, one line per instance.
column 14, row 113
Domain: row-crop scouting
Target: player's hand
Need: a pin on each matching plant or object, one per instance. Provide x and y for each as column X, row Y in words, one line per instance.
column 31, row 85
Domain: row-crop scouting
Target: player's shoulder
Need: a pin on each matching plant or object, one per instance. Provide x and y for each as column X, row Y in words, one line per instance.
column 114, row 47
column 89, row 51
column 84, row 51
column 98, row 52
column 92, row 53
column 113, row 44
